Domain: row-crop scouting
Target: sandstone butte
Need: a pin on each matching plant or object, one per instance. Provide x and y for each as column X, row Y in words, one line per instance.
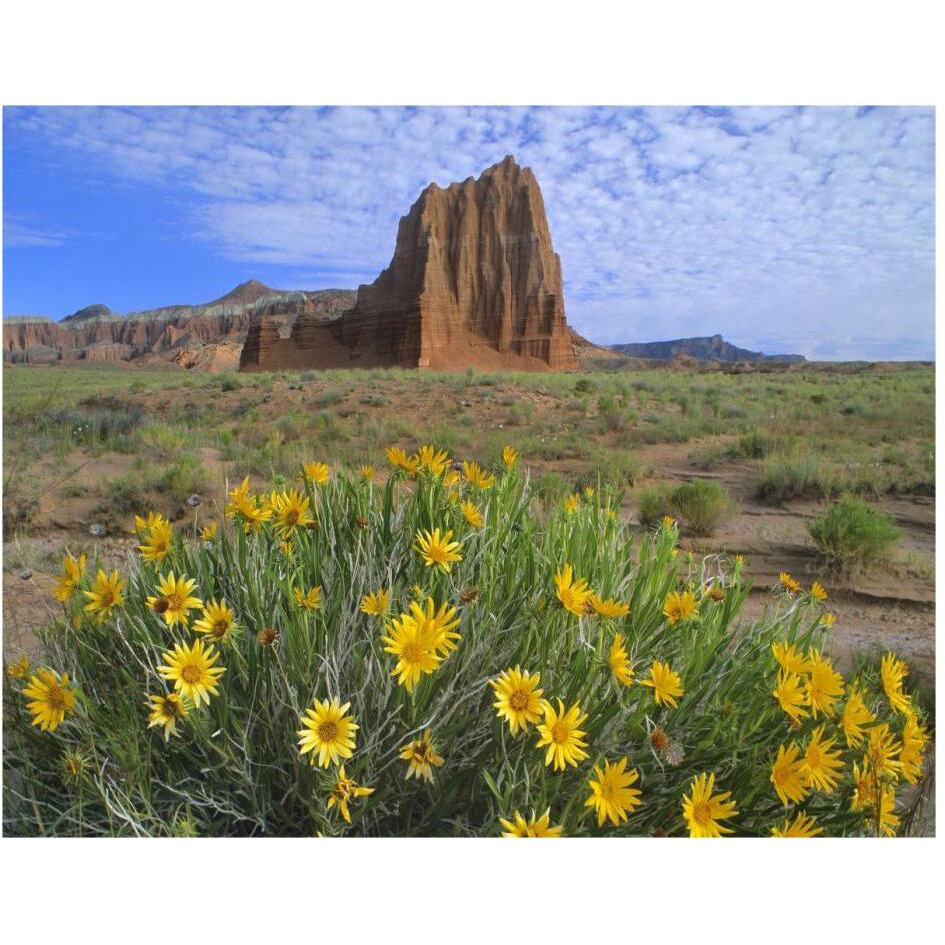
column 474, row 282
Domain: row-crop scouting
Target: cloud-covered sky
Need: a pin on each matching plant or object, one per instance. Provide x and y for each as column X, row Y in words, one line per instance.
column 804, row 230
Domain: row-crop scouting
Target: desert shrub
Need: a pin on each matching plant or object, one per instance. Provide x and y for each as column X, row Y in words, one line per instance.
column 583, row 385
column 701, row 505
column 653, row 505
column 183, row 478
column 328, row 398
column 232, row 766
column 230, row 382
column 792, row 476
column 852, row 533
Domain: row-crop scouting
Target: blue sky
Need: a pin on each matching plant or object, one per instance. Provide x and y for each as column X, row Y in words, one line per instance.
column 807, row 230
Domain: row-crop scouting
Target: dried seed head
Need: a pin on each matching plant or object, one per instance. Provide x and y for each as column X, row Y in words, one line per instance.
column 659, row 739
column 96, row 530
column 194, row 500
column 267, row 636
column 469, row 594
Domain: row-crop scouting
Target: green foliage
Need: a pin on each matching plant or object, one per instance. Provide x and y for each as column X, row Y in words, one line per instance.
column 701, row 505
column 851, row 533
column 653, row 504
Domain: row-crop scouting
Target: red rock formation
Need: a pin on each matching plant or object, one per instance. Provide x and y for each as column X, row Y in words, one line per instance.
column 474, row 282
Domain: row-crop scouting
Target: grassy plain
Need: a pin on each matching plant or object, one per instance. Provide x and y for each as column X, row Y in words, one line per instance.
column 96, row 444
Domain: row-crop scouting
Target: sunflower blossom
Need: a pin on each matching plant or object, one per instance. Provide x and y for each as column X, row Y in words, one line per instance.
column 433, row 461
column 415, row 652
column 803, row 825
column 882, row 751
column 821, row 763
column 399, row 460
column 217, row 621
column 789, row 659
column 678, row 606
column 790, row 695
column 376, row 602
column 156, row 538
column 346, row 789
column 817, row 591
column 824, row 686
column 174, row 599
column 191, row 670
column 702, row 810
column 105, row 595
column 166, row 711
column 665, row 683
column 518, row 702
column 476, row 476
column 317, row 472
column 560, row 732
column 437, row 549
column 619, row 662
column 247, row 508
column 610, row 608
column 327, row 732
column 788, row 583
column 509, row 456
column 914, row 738
column 892, row 672
column 310, row 600
column 573, row 594
column 855, row 716
column 290, row 510
column 518, row 826
column 472, row 515
column 66, row 583
column 789, row 776
column 51, row 699
column 209, row 532
column 421, row 758
column 611, row 794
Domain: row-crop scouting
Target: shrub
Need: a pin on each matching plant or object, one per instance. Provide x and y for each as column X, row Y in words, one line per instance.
column 701, row 505
column 852, row 533
column 652, row 505
column 232, row 766
column 793, row 476
column 328, row 398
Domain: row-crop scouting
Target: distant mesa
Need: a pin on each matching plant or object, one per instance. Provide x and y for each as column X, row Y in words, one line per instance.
column 713, row 348
column 474, row 282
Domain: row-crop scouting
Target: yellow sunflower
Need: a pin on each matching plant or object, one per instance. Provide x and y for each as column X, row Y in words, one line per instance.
column 175, row 599
column 472, row 515
column 914, row 738
column 217, row 621
column 18, row 669
column 519, row 702
column 327, row 732
column 571, row 503
column 156, row 540
column 247, row 508
column 191, row 670
column 310, row 600
column 820, row 763
column 421, row 758
column 399, row 460
column 477, row 476
column 346, row 789
column 665, row 683
column 166, row 711
column 318, row 473
column 817, row 591
column 376, row 602
column 561, row 733
column 518, row 826
column 610, row 608
column 573, row 594
column 509, row 456
column 52, row 699
column 415, row 650
column 434, row 461
column 702, row 810
column 789, row 658
column 788, row 583
column 106, row 594
column 611, row 794
column 882, row 751
column 290, row 510
column 619, row 661
column 678, row 606
column 209, row 532
column 789, row 775
column 790, row 693
column 66, row 583
column 437, row 549
column 802, row 826
column 824, row 686
column 855, row 716
column 892, row 672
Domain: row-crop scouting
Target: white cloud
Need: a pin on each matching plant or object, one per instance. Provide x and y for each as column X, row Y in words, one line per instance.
column 800, row 226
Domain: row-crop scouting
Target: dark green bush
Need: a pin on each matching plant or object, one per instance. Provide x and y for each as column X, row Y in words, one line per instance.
column 701, row 505
column 851, row 533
